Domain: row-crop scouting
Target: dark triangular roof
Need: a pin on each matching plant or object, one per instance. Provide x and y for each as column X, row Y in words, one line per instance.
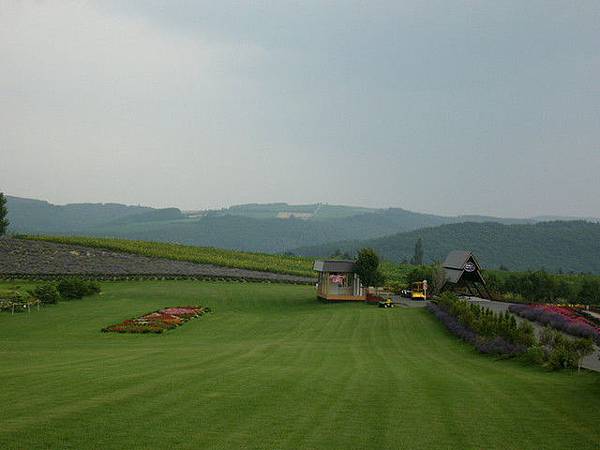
column 457, row 259
column 455, row 263
column 336, row 265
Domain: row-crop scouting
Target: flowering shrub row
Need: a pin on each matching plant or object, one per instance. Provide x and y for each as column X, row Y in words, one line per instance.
column 158, row 321
column 489, row 332
column 562, row 318
column 499, row 334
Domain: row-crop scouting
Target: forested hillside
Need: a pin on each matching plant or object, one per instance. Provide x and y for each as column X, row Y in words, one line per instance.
column 272, row 228
column 37, row 216
column 275, row 227
column 554, row 246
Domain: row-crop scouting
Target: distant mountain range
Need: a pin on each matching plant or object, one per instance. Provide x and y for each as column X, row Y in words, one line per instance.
column 569, row 246
column 272, row 228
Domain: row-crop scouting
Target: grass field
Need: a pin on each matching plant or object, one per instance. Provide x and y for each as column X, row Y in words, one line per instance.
column 272, row 368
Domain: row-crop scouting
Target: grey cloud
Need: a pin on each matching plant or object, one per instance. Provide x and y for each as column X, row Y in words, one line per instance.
column 447, row 107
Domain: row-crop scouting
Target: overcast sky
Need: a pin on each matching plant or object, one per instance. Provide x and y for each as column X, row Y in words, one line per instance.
column 449, row 107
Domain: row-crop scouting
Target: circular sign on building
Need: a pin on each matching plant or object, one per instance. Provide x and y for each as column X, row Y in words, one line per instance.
column 470, row 267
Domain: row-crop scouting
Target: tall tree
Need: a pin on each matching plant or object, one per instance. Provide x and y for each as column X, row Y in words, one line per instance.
column 589, row 293
column 3, row 212
column 417, row 258
column 367, row 268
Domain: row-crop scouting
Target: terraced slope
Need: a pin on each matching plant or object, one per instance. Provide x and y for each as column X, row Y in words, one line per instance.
column 25, row 258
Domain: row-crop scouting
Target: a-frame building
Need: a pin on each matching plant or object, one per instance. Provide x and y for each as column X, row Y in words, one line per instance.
column 462, row 271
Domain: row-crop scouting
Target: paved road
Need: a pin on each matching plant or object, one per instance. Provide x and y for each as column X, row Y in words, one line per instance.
column 591, row 362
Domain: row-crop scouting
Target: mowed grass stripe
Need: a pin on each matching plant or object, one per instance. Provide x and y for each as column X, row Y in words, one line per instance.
column 272, row 368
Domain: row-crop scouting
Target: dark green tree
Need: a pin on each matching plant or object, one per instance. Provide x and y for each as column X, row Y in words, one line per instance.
column 420, row 273
column 367, row 268
column 3, row 212
column 417, row 258
column 589, row 293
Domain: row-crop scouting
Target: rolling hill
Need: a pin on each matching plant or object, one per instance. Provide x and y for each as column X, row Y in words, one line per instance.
column 272, row 228
column 554, row 246
column 321, row 230
column 37, row 216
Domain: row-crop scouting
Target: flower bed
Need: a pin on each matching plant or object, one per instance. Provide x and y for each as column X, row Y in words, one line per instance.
column 563, row 318
column 495, row 346
column 158, row 321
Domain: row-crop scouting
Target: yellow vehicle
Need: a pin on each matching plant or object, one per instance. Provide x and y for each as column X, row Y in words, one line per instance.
column 386, row 303
column 419, row 290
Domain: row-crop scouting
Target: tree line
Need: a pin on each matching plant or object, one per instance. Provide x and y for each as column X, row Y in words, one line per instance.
column 3, row 213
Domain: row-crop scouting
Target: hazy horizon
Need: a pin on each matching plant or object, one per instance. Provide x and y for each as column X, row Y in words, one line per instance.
column 445, row 108
column 303, row 204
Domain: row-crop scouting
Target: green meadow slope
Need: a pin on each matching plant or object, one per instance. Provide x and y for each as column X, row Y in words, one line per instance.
column 272, row 368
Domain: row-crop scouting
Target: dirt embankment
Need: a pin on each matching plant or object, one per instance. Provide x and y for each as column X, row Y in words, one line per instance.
column 23, row 258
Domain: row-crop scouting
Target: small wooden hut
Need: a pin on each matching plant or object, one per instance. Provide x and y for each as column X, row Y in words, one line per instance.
column 462, row 271
column 338, row 282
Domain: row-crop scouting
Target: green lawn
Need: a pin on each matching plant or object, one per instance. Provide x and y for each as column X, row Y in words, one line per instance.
column 272, row 368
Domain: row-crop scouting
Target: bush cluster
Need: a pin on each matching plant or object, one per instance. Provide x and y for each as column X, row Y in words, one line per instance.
column 490, row 332
column 560, row 352
column 16, row 301
column 488, row 323
column 46, row 293
column 499, row 334
column 65, row 289
column 76, row 288
column 543, row 287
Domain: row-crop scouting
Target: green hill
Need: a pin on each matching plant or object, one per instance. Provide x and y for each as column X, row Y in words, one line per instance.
column 275, row 228
column 37, row 216
column 554, row 246
column 271, row 228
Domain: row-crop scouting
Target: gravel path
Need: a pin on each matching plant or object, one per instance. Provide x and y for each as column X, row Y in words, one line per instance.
column 591, row 362
column 25, row 258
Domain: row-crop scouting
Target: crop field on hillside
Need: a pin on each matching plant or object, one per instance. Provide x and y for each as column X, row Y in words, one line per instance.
column 23, row 258
column 291, row 265
column 206, row 255
column 271, row 367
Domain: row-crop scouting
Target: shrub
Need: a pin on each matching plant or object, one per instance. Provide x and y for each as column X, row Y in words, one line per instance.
column 562, row 352
column 14, row 301
column 452, row 324
column 560, row 357
column 535, row 355
column 76, row 288
column 46, row 293
column 497, row 345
